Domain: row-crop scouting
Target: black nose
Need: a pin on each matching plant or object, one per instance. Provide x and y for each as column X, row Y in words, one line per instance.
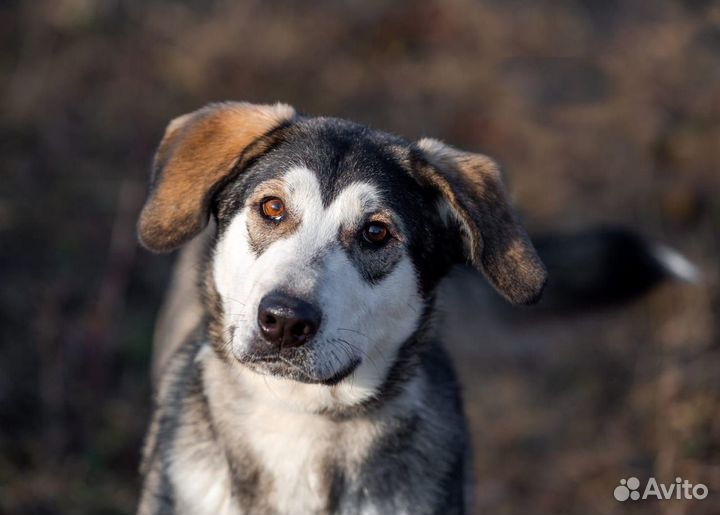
column 287, row 321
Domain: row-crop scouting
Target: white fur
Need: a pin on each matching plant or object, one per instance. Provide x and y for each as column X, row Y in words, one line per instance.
column 292, row 444
column 375, row 319
column 677, row 265
column 202, row 486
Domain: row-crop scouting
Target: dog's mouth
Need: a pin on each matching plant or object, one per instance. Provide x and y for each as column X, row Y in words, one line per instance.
column 280, row 366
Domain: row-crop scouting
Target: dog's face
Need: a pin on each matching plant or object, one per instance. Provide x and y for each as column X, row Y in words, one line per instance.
column 320, row 254
column 330, row 237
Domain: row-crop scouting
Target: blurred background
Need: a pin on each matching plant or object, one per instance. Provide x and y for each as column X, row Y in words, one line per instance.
column 601, row 111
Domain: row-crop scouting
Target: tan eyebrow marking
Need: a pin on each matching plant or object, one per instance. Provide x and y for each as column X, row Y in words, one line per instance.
column 262, row 232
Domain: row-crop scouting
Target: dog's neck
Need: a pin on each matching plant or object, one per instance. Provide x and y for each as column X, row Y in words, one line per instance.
column 287, row 437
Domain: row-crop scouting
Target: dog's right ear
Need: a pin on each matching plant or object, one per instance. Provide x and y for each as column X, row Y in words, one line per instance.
column 199, row 152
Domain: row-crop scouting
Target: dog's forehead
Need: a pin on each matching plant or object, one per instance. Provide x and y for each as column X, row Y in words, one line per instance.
column 341, row 153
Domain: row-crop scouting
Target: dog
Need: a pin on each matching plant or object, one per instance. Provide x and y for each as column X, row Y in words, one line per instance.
column 299, row 370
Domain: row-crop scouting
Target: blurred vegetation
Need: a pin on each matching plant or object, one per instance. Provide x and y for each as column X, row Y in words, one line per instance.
column 600, row 110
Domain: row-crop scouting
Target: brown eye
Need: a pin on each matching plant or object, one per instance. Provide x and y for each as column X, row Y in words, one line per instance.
column 376, row 232
column 273, row 208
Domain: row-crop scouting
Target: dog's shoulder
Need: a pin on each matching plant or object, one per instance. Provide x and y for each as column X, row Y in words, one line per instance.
column 181, row 422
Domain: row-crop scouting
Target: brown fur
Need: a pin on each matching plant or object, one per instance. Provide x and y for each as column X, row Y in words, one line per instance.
column 198, row 152
column 497, row 244
column 207, row 449
column 263, row 232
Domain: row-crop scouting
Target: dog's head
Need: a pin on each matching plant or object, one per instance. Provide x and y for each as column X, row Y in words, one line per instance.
column 331, row 237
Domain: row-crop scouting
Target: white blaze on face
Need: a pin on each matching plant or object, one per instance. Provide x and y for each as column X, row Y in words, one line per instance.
column 361, row 321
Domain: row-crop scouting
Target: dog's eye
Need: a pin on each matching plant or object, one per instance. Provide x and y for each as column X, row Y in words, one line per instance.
column 376, row 232
column 273, row 208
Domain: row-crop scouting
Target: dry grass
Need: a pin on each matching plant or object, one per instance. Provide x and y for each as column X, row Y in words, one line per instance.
column 600, row 111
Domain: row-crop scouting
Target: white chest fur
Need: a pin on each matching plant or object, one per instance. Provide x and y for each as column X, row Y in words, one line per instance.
column 291, row 446
column 293, row 449
column 202, row 482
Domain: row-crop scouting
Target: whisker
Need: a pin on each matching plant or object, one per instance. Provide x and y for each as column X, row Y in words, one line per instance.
column 353, row 331
column 343, row 348
column 235, row 300
column 360, row 351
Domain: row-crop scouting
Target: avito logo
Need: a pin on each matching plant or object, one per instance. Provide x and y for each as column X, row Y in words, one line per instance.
column 630, row 489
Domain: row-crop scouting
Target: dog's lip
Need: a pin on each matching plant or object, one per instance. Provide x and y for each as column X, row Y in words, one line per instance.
column 262, row 359
column 342, row 373
column 307, row 378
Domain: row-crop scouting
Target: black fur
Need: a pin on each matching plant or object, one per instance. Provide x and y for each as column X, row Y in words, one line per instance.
column 341, row 153
column 405, row 457
column 418, row 458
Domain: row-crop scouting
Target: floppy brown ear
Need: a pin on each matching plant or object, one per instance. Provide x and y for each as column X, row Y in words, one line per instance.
column 198, row 152
column 495, row 242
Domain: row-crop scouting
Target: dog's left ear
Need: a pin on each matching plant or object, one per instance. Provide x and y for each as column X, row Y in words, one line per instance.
column 495, row 242
column 198, row 153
